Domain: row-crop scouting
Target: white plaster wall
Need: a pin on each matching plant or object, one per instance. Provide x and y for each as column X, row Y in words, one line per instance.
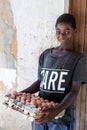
column 8, row 77
column 35, row 21
column 33, row 24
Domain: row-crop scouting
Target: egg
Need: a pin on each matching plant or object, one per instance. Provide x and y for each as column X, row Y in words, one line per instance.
column 38, row 97
column 28, row 98
column 14, row 93
column 48, row 104
column 18, row 98
column 23, row 99
column 33, row 102
column 38, row 102
column 28, row 94
column 24, row 94
column 46, row 100
column 52, row 104
column 30, row 103
column 41, row 99
column 44, row 105
column 27, row 101
column 19, row 93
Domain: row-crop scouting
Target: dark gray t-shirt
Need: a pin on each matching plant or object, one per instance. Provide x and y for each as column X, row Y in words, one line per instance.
column 57, row 73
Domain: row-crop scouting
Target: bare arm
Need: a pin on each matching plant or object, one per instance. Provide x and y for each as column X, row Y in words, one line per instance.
column 33, row 88
column 70, row 97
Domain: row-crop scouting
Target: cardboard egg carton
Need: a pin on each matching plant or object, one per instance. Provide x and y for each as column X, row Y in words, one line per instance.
column 25, row 108
column 27, row 104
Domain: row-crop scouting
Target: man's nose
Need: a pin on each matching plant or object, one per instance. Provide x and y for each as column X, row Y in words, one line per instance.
column 62, row 35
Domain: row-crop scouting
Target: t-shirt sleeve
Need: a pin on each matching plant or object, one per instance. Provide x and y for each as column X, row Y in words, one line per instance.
column 80, row 71
column 41, row 61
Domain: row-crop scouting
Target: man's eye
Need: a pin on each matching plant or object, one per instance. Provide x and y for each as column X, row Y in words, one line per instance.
column 58, row 32
column 63, row 34
column 67, row 32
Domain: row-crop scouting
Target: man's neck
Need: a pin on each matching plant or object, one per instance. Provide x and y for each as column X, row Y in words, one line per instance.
column 60, row 51
column 65, row 48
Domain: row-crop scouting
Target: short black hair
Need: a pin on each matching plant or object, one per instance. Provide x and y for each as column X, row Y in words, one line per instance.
column 66, row 18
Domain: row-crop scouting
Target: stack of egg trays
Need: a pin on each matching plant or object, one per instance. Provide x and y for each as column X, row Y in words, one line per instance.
column 27, row 109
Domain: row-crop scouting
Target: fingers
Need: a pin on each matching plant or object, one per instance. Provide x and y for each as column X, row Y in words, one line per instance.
column 42, row 120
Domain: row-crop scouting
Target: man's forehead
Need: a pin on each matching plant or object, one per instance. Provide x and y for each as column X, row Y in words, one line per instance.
column 63, row 26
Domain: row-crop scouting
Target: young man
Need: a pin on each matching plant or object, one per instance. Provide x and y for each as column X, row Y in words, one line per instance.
column 61, row 72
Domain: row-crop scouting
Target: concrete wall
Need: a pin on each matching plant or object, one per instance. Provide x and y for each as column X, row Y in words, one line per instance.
column 26, row 29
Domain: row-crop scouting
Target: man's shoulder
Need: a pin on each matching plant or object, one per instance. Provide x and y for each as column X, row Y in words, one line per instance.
column 46, row 51
column 78, row 54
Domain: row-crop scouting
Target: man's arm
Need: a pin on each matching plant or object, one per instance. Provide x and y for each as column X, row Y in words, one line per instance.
column 70, row 97
column 65, row 103
column 33, row 88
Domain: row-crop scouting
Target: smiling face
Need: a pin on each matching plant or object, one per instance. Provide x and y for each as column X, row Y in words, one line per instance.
column 65, row 35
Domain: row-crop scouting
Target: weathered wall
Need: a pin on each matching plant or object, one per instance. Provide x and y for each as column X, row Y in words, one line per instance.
column 8, row 46
column 26, row 29
column 34, row 34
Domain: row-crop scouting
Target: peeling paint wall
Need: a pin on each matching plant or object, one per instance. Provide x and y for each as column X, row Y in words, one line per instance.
column 35, row 23
column 7, row 42
column 27, row 27
column 7, row 35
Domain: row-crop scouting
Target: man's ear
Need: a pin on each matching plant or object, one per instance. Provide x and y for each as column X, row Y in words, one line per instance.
column 75, row 30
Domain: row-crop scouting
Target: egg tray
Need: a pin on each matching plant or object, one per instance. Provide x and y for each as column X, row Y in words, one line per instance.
column 26, row 109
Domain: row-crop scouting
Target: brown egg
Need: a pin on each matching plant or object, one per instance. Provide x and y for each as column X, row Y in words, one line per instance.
column 38, row 97
column 14, row 93
column 24, row 94
column 48, row 104
column 32, row 95
column 56, row 104
column 41, row 99
column 46, row 100
column 33, row 102
column 18, row 98
column 27, row 101
column 28, row 98
column 28, row 94
column 38, row 102
column 19, row 93
column 33, row 98
column 23, row 100
column 44, row 105
column 53, row 104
